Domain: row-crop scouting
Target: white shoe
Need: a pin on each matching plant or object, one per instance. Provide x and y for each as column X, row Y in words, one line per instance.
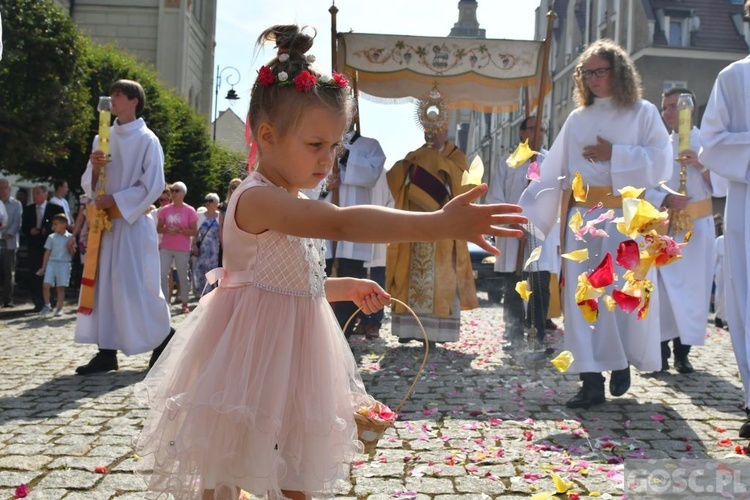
column 45, row 311
column 58, row 313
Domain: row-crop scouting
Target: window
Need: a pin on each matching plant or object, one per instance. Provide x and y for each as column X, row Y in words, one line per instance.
column 670, row 84
column 675, row 33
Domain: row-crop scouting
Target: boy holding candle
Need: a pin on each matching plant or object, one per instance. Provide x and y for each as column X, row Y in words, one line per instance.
column 129, row 311
column 685, row 285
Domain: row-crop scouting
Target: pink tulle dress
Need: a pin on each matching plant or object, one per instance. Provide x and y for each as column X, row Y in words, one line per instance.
column 258, row 387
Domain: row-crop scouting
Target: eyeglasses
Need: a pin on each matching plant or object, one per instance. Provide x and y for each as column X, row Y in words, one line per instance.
column 176, row 190
column 210, row 201
column 598, row 72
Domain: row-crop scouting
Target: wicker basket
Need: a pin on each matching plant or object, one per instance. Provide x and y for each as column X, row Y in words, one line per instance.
column 370, row 430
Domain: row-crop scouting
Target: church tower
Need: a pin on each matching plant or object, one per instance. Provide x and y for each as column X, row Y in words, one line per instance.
column 467, row 25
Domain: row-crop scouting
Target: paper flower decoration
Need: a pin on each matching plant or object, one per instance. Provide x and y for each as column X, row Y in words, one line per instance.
column 604, row 274
column 561, row 485
column 533, row 256
column 533, row 174
column 589, row 310
column 563, row 361
column 521, row 155
column 639, row 217
column 579, row 191
column 522, row 288
column 579, row 256
column 473, row 176
column 377, row 411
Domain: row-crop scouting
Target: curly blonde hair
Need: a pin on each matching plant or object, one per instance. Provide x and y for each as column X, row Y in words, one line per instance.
column 626, row 81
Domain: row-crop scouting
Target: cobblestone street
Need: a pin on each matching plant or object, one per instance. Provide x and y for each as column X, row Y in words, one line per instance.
column 481, row 423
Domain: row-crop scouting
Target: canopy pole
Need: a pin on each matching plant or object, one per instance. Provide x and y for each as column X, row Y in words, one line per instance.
column 543, row 80
column 333, row 10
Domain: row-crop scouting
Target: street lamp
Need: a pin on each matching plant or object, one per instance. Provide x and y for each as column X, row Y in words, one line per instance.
column 233, row 79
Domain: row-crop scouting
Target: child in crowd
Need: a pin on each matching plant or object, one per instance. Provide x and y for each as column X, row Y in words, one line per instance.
column 258, row 389
column 58, row 256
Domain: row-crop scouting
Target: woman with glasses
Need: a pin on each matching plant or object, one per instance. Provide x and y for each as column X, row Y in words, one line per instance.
column 177, row 224
column 206, row 244
column 614, row 139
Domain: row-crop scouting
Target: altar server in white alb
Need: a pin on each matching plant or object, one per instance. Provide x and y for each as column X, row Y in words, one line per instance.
column 506, row 186
column 614, row 139
column 685, row 285
column 725, row 141
column 359, row 168
column 130, row 313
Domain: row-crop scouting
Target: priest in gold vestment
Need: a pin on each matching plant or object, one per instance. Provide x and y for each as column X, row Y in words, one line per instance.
column 434, row 278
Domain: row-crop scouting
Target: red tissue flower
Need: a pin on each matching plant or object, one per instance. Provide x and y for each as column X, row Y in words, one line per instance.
column 305, row 81
column 603, row 275
column 340, row 80
column 266, row 76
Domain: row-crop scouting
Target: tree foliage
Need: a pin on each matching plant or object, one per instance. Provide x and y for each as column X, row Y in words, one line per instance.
column 42, row 89
column 51, row 78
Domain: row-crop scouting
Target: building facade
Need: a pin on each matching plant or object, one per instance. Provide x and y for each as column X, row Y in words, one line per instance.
column 175, row 36
column 672, row 42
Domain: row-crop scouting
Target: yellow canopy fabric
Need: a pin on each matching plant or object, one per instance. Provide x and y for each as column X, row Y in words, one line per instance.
column 481, row 74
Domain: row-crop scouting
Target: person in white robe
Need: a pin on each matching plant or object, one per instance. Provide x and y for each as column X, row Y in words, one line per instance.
column 506, row 186
column 614, row 139
column 359, row 168
column 725, row 142
column 130, row 313
column 685, row 285
column 720, row 297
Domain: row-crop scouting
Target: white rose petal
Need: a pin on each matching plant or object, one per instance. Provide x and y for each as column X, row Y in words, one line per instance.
column 283, row 76
column 310, row 58
column 283, row 57
column 325, row 78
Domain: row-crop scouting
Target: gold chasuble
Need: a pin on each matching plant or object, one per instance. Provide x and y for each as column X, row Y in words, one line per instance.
column 427, row 276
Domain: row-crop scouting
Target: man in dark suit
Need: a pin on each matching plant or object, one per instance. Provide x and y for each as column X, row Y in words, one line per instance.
column 36, row 225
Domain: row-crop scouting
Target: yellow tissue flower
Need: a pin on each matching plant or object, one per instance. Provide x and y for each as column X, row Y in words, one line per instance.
column 579, row 256
column 473, row 176
column 639, row 217
column 563, row 361
column 630, row 192
column 561, row 485
column 522, row 287
column 521, row 155
column 579, row 192
column 576, row 222
column 609, row 303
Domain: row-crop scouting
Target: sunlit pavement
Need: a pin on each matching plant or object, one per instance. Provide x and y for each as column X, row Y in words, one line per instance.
column 481, row 423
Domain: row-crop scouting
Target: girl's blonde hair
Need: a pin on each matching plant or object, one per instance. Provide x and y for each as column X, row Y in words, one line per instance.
column 277, row 99
column 626, row 81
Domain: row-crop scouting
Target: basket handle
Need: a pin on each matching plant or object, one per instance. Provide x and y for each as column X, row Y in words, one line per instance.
column 426, row 349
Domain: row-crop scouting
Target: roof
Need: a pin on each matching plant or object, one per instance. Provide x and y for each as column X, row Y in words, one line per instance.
column 717, row 30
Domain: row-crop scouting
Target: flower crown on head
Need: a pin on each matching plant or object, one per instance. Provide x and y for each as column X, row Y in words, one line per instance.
column 303, row 81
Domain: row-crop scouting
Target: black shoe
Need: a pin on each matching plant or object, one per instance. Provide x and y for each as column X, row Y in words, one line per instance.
column 550, row 325
column 682, row 364
column 157, row 352
column 665, row 356
column 745, row 429
column 8, row 304
column 591, row 392
column 619, row 381
column 102, row 362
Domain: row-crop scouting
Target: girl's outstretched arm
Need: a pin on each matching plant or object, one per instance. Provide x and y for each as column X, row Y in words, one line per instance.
column 365, row 293
column 271, row 208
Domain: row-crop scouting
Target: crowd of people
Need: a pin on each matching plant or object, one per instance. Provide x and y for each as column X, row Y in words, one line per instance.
column 274, row 304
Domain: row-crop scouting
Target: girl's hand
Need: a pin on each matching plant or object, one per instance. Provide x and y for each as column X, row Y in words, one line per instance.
column 467, row 221
column 601, row 151
column 368, row 295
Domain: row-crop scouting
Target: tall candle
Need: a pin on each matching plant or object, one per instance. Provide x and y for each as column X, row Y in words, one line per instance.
column 685, row 107
column 105, row 118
